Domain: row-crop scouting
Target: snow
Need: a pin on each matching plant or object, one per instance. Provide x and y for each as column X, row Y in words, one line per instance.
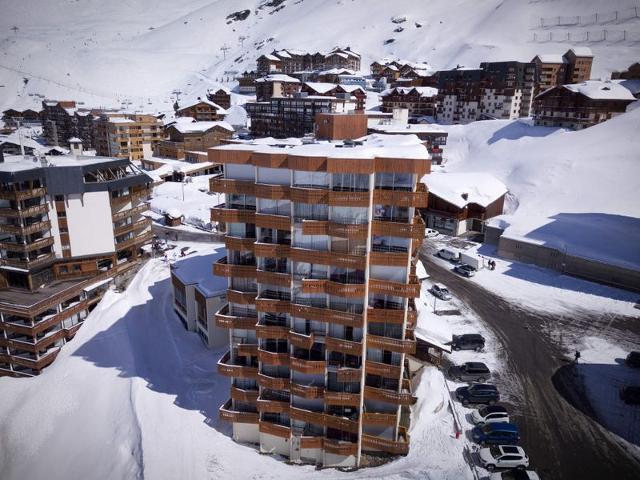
column 196, row 127
column 480, row 188
column 277, row 77
column 601, row 90
column 173, row 213
column 218, row 108
column 582, row 51
column 426, row 92
column 197, row 269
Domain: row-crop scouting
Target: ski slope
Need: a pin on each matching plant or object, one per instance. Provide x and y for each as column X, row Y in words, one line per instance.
column 135, row 53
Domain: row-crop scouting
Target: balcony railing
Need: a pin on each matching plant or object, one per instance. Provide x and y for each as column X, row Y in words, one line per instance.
column 244, row 396
column 272, row 305
column 343, row 346
column 273, row 383
column 239, row 244
column 25, row 212
column 310, row 367
column 274, row 429
column 278, row 222
column 306, row 391
column 242, row 298
column 342, row 398
column 391, row 344
column 275, row 332
column 271, row 250
column 335, row 259
column 279, row 359
column 228, row 185
column 387, row 287
column 224, row 214
column 273, row 278
column 19, row 195
column 389, row 396
column 327, row 315
column 372, row 442
column 224, row 269
column 346, row 290
column 25, row 229
column 380, row 419
column 234, row 370
column 228, row 414
column 401, row 198
column 383, row 369
column 27, row 247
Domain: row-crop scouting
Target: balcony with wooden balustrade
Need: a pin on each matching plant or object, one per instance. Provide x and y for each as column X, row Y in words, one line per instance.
column 19, row 195
column 272, row 192
column 343, row 346
column 279, row 222
column 301, row 340
column 224, row 214
column 309, row 195
column 310, row 367
column 335, row 259
column 273, row 383
column 239, row 244
column 383, row 369
column 228, row 369
column 224, row 269
column 275, row 332
column 394, row 447
column 379, row 419
column 349, row 199
column 25, row 229
column 341, row 398
column 387, row 287
column 391, row 344
column 280, row 359
column 247, row 349
column 242, row 298
column 266, row 405
column 389, row 396
column 389, row 259
column 270, row 305
column 347, row 290
column 244, row 396
column 417, row 199
column 229, row 185
column 413, row 230
column 228, row 414
column 25, row 212
column 306, row 391
column 327, row 315
column 272, row 250
column 307, row 164
column 273, row 278
column 274, row 429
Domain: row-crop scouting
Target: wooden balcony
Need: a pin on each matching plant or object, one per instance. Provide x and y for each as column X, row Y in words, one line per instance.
column 237, row 371
column 343, row 346
column 387, row 287
column 391, row 344
column 29, row 263
column 270, row 305
column 380, row 419
column 345, row 374
column 307, row 416
column 383, row 369
column 352, row 165
column 340, row 423
column 130, row 212
column 311, row 442
column 138, row 240
column 272, row 192
column 347, row 290
column 239, row 244
column 342, row 398
column 272, row 331
column 27, row 247
column 224, row 269
column 328, row 258
column 19, row 195
column 225, row 320
column 132, row 227
column 271, row 250
column 229, row 185
column 389, row 396
column 245, row 396
column 389, row 259
column 385, row 315
column 413, row 230
column 223, row 214
column 274, row 429
column 36, row 364
column 227, row 414
column 274, row 383
column 308, row 366
column 308, row 164
column 341, row 230
column 272, row 358
column 25, row 212
column 301, row 340
column 401, row 198
column 25, row 230
column 327, row 315
column 272, row 406
column 340, row 448
column 306, row 391
column 309, row 195
column 273, row 278
column 374, row 443
column 349, row 199
column 247, row 349
column 242, row 298
column 279, row 222
column 31, row 347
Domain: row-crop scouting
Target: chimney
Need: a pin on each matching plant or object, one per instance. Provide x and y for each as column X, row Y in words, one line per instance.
column 75, row 144
column 465, row 196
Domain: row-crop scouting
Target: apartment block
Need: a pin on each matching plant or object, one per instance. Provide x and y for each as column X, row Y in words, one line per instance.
column 62, row 120
column 321, row 241
column 292, row 60
column 419, row 101
column 67, row 226
column 276, row 86
column 555, row 70
column 131, row 136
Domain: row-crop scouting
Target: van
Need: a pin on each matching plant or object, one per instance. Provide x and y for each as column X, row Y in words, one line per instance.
column 448, row 254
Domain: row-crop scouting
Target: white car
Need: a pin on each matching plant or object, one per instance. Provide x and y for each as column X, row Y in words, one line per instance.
column 515, row 475
column 490, row 414
column 448, row 254
column 429, row 233
column 441, row 292
column 503, row 456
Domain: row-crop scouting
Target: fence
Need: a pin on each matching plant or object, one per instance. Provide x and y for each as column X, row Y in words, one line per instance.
column 587, row 36
column 598, row 18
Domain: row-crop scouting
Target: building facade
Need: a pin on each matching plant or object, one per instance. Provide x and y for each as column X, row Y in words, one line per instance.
column 276, row 86
column 192, row 136
column 220, row 96
column 355, row 92
column 419, row 101
column 202, row 111
column 128, row 136
column 290, row 61
column 555, row 70
column 320, row 244
column 64, row 225
column 62, row 120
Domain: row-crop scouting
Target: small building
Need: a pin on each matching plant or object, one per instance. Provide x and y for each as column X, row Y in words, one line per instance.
column 173, row 217
column 631, row 73
column 220, row 96
column 202, row 111
column 198, row 295
column 340, row 126
column 247, row 83
column 462, row 202
column 13, row 118
column 195, row 136
column 276, row 86
column 582, row 105
column 268, row 63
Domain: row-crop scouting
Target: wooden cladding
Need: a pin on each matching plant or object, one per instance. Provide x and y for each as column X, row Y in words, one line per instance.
column 227, row 414
column 245, row 396
column 387, row 287
column 391, row 344
column 383, row 369
column 232, row 215
column 421, row 166
column 389, row 396
column 308, row 195
column 224, row 269
column 380, row 419
column 225, row 155
column 273, row 278
column 229, row 185
column 273, row 358
column 247, row 349
column 232, row 370
column 372, row 442
column 351, row 165
column 239, row 244
column 389, row 259
column 274, row 383
column 308, row 366
column 271, row 250
column 272, row 331
column 401, row 198
column 327, row 315
column 347, row 290
column 225, row 320
column 242, row 298
column 306, row 391
column 345, row 374
column 270, row 160
column 272, row 406
column 413, row 230
column 343, row 346
column 301, row 340
column 343, row 260
column 342, row 398
column 279, row 222
column 274, row 429
column 308, row 164
column 270, row 305
column 349, row 199
column 273, row 192
column 340, row 448
column 385, row 315
column 324, row 419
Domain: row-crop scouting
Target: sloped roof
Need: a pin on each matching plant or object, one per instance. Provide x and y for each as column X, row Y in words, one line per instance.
column 278, row 77
column 601, row 90
column 195, row 127
column 217, row 107
column 479, row 187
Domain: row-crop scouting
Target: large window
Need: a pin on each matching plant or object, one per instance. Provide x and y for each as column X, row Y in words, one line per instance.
column 350, row 182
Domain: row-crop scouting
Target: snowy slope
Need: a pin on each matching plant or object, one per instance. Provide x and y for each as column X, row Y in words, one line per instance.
column 138, row 51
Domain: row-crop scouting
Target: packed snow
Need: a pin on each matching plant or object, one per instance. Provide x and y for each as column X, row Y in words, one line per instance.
column 461, row 189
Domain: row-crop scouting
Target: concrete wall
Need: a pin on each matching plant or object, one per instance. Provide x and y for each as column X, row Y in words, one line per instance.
column 90, row 224
column 272, row 444
column 246, row 432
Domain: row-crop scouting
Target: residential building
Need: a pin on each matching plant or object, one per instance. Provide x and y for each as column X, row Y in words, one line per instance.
column 585, row 104
column 292, row 116
column 579, row 60
column 246, row 82
column 290, row 60
column 340, row 126
column 419, row 101
column 631, row 73
column 202, row 111
column 332, row 90
column 194, row 164
column 67, row 226
column 275, row 86
column 320, row 241
column 12, row 118
column 461, row 203
column 127, row 135
column 220, row 96
column 62, row 120
column 187, row 135
column 555, row 70
column 198, row 295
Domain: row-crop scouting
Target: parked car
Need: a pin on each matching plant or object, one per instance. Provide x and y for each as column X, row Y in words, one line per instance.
column 503, row 456
column 490, row 414
column 478, row 393
column 468, row 341
column 633, row 359
column 470, row 372
column 448, row 254
column 441, row 292
column 496, row 434
column 515, row 475
column 465, row 270
column 430, row 233
column 630, row 395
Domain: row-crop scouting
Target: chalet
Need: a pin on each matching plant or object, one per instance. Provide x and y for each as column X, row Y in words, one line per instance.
column 221, row 97
column 333, row 90
column 173, row 217
column 276, row 86
column 12, row 118
column 420, row 101
column 582, row 105
column 196, row 136
column 290, row 60
column 268, row 63
column 342, row 58
column 333, row 75
column 246, row 82
column 202, row 111
column 462, row 202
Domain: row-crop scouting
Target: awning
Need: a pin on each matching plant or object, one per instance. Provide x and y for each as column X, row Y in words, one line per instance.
column 93, row 286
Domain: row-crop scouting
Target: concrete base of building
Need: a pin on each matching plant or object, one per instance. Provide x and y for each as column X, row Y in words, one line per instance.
column 246, row 433
column 275, row 445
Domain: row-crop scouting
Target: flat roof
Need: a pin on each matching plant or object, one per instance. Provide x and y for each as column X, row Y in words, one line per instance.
column 197, row 269
column 17, row 297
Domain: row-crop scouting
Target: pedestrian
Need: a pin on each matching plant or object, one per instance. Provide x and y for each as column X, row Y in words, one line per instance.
column 576, row 356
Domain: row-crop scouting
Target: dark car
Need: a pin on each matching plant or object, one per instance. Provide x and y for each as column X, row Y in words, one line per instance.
column 630, row 395
column 470, row 372
column 633, row 359
column 468, row 341
column 465, row 270
column 496, row 434
column 478, row 393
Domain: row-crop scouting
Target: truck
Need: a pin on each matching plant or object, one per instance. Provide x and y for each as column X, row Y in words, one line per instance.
column 473, row 260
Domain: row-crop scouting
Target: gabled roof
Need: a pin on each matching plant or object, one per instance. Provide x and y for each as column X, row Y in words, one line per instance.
column 277, row 77
column 550, row 58
column 422, row 91
column 581, row 51
column 478, row 187
column 600, row 90
column 200, row 127
column 217, row 107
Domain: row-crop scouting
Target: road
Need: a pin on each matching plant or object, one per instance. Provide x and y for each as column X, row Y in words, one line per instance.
column 177, row 234
column 562, row 442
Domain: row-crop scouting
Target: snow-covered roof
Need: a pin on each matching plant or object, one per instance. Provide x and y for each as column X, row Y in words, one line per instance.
column 551, row 58
column 422, row 91
column 478, row 187
column 409, row 128
column 601, row 90
column 75, row 140
column 337, row 71
column 173, row 213
column 278, row 77
column 283, row 54
column 582, row 51
column 324, row 87
column 268, row 56
column 195, row 127
column 15, row 163
column 196, row 269
column 217, row 107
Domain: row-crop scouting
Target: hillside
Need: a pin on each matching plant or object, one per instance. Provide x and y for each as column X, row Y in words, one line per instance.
column 139, row 51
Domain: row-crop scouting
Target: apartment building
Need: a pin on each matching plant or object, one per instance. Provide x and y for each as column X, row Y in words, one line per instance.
column 12, row 118
column 67, row 226
column 321, row 241
column 123, row 135
column 582, row 105
column 356, row 92
column 292, row 116
column 555, row 69
column 631, row 73
column 291, row 60
column 419, row 101
column 202, row 111
column 275, row 86
column 220, row 96
column 62, row 120
column 186, row 135
column 496, row 90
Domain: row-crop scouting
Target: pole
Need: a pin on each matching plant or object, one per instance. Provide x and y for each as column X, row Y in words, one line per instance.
column 20, row 138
